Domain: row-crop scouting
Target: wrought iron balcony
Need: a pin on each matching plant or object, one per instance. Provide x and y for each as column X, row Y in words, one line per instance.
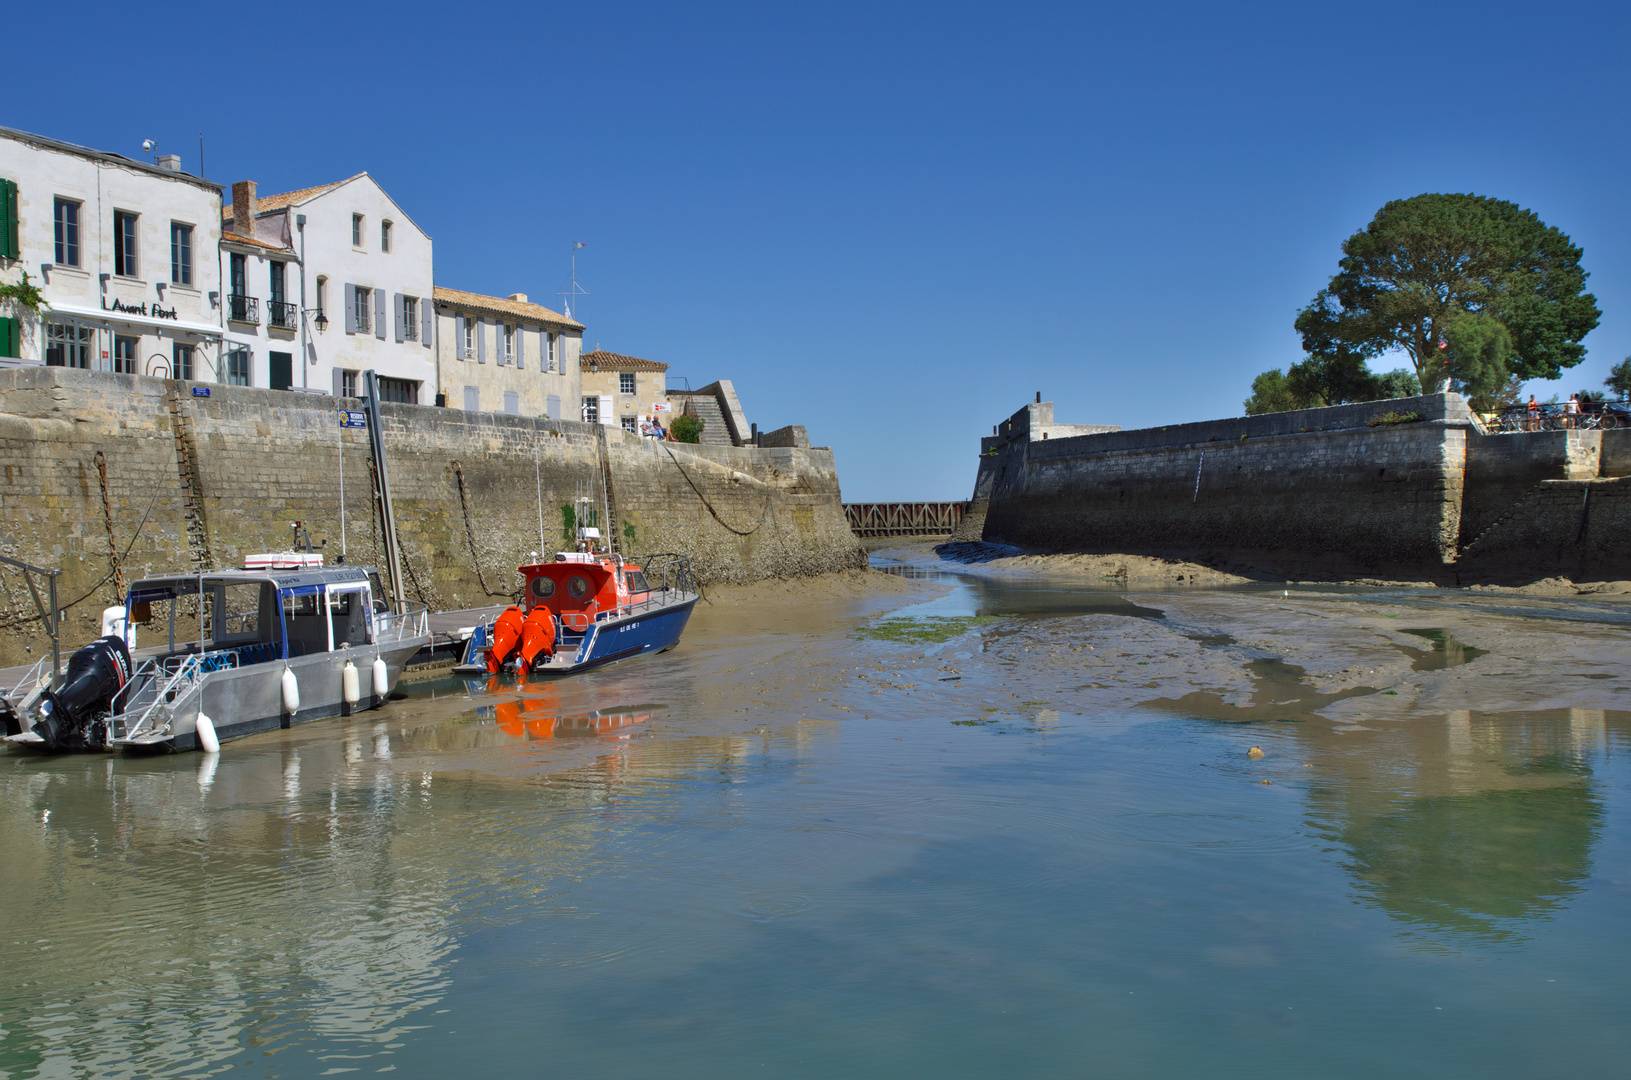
column 245, row 309
column 281, row 315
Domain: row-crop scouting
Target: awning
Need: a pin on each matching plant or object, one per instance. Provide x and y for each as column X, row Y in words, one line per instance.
column 127, row 318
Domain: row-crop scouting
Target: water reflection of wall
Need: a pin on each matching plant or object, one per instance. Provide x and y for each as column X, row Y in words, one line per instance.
column 182, row 924
column 1478, row 824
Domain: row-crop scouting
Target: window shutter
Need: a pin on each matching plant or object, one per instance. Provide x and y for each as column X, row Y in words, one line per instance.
column 481, row 341
column 458, row 337
column 520, row 348
column 9, row 339
column 379, row 314
column 350, row 312
column 339, row 391
column 498, row 345
column 401, row 331
column 427, row 307
column 8, row 220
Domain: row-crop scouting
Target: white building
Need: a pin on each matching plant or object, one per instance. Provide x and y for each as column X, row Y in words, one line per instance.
column 124, row 254
column 262, row 309
column 364, row 295
column 506, row 355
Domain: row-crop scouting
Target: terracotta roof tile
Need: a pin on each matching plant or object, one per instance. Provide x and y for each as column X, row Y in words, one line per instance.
column 287, row 198
column 234, row 238
column 495, row 305
column 610, row 361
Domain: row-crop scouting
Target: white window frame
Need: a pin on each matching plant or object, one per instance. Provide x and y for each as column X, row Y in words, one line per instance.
column 233, row 355
column 549, row 344
column 363, row 308
column 133, row 360
column 181, row 256
column 468, row 345
column 509, row 343
column 69, row 244
column 357, row 232
column 385, row 236
column 127, row 264
column 630, row 383
column 410, row 318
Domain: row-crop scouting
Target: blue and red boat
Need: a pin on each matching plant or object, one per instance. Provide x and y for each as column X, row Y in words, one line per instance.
column 585, row 609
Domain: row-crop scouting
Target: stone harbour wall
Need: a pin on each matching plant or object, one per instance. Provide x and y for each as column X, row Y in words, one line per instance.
column 1316, row 492
column 467, row 489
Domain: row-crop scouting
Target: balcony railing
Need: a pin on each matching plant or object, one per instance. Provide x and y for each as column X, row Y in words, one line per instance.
column 245, row 309
column 281, row 315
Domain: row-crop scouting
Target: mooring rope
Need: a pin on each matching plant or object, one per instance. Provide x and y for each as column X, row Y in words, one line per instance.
column 470, row 535
column 107, row 519
column 710, row 506
column 375, row 522
column 16, row 620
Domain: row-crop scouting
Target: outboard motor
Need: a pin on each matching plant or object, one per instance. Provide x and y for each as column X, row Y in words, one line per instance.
column 74, row 715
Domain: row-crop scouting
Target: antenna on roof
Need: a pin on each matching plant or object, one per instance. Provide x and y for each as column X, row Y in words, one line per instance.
column 573, row 289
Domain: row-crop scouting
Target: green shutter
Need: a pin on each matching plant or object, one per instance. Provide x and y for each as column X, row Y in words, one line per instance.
column 8, row 221
column 11, row 338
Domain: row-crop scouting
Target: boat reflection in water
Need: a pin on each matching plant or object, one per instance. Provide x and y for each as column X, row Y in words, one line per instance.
column 539, row 717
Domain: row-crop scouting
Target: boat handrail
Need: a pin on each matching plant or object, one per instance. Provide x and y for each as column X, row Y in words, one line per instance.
column 187, row 675
column 412, row 622
column 27, row 687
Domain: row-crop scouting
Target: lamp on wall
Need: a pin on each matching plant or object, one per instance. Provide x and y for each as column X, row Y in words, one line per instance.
column 321, row 320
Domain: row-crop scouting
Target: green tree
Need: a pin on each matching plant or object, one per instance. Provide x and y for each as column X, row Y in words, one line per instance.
column 1412, row 278
column 1272, row 393
column 1325, row 380
column 1619, row 377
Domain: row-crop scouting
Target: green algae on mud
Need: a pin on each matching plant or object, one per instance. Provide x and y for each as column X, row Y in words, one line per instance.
column 928, row 630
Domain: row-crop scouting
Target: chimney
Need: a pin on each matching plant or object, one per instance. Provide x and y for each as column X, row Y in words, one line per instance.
column 171, row 162
column 243, row 207
column 519, row 297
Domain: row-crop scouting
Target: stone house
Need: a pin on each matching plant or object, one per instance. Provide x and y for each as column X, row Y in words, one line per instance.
column 123, row 253
column 622, row 390
column 505, row 354
column 364, row 288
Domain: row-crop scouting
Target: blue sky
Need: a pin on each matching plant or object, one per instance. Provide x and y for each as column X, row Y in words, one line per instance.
column 891, row 223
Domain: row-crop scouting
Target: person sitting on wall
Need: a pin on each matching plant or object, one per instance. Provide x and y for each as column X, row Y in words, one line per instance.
column 645, row 428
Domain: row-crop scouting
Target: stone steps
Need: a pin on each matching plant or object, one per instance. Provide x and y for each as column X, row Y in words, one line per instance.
column 714, row 430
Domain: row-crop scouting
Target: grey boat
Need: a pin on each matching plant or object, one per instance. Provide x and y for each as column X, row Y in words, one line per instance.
column 247, row 650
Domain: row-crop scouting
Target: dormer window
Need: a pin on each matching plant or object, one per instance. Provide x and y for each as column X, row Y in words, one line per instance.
column 356, row 230
column 385, row 236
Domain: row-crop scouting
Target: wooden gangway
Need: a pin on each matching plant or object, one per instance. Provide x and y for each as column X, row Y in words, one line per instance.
column 904, row 518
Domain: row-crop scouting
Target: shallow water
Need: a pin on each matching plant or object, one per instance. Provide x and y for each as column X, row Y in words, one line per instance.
column 784, row 849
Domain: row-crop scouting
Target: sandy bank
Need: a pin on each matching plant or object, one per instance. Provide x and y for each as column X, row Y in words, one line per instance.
column 1150, row 570
column 839, row 585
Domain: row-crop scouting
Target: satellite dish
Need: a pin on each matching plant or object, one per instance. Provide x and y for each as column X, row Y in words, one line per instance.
column 148, row 145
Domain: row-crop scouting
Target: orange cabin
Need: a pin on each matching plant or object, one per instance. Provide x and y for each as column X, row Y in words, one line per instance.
column 577, row 588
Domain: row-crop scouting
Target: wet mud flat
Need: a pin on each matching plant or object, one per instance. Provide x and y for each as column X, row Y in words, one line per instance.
column 979, row 823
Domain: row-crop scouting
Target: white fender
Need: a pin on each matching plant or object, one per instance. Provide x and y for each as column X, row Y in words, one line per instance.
column 207, row 741
column 206, row 771
column 291, row 692
column 349, row 688
column 382, row 678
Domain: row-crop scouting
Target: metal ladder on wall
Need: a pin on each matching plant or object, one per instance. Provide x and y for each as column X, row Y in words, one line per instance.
column 614, row 542
column 198, row 539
